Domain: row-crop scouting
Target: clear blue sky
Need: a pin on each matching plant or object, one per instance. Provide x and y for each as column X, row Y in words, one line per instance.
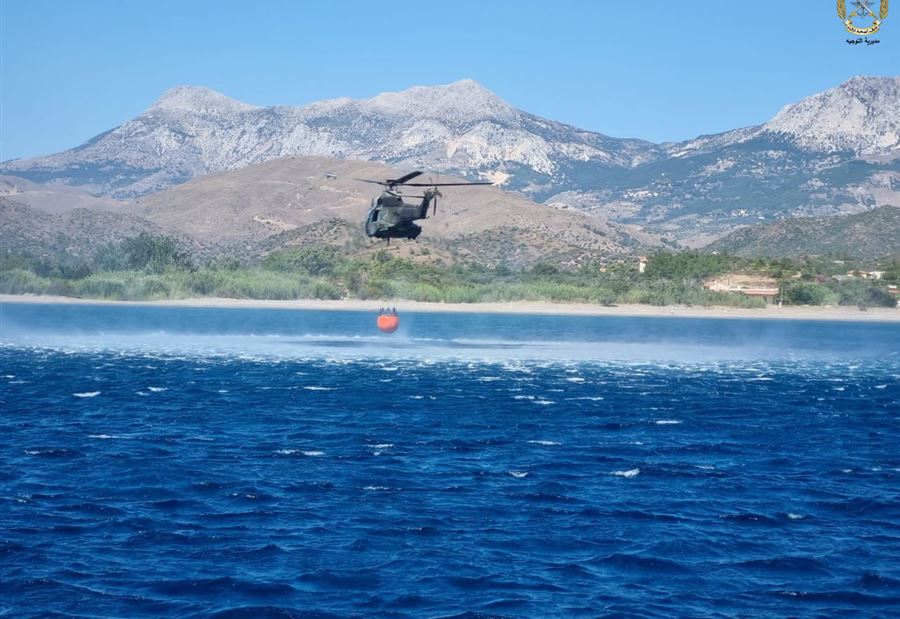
column 655, row 69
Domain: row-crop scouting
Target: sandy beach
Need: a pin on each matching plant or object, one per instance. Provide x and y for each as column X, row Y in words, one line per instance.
column 515, row 307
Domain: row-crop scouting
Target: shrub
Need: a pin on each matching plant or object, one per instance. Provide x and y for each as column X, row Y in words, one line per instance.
column 808, row 293
column 22, row 281
column 145, row 252
column 318, row 260
column 102, row 286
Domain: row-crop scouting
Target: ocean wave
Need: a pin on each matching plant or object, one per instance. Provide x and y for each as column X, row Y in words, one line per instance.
column 52, row 452
column 786, row 564
column 220, row 586
column 271, row 612
column 642, row 563
column 628, row 474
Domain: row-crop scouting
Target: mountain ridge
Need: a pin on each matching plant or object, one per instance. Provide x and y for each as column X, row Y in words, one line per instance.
column 870, row 235
column 835, row 151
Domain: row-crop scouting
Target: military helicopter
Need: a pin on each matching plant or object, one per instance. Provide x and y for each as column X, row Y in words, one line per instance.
column 390, row 217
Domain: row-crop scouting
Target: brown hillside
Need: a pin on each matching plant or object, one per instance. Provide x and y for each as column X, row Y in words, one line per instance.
column 281, row 201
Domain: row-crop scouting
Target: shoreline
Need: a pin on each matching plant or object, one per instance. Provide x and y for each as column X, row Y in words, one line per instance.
column 830, row 313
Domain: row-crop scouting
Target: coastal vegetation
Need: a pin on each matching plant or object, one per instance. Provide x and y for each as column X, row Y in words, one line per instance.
column 149, row 267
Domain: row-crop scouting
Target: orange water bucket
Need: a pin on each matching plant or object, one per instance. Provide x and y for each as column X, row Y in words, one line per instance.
column 388, row 323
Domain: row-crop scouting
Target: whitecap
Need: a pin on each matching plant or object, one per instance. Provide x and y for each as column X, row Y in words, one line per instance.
column 143, row 393
column 544, row 402
column 793, row 516
column 383, row 445
column 627, row 474
column 222, row 391
column 9, row 376
column 313, row 453
column 157, row 389
column 318, row 388
column 575, row 379
column 107, row 436
column 881, row 386
column 667, row 422
column 87, row 394
column 376, row 488
column 488, row 379
column 417, row 397
column 518, row 474
column 523, row 397
column 545, row 443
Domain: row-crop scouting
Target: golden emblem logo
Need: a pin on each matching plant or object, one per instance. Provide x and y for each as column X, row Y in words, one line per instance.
column 864, row 15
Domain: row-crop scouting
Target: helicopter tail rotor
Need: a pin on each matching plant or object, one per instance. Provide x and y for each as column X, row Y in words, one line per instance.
column 437, row 193
column 434, row 193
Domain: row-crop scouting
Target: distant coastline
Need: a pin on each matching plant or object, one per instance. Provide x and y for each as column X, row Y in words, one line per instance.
column 771, row 312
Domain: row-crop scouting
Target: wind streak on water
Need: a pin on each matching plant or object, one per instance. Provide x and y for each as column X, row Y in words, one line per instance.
column 313, row 334
column 269, row 478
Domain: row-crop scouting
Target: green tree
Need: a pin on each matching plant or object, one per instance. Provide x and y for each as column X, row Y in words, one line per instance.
column 808, row 293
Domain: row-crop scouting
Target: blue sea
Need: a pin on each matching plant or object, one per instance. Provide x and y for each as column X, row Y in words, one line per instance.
column 274, row 463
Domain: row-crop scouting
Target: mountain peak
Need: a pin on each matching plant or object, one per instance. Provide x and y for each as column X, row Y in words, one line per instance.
column 859, row 115
column 464, row 100
column 870, row 81
column 198, row 99
column 469, row 85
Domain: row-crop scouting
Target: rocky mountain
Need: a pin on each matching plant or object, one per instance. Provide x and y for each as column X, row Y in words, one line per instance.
column 461, row 127
column 859, row 116
column 834, row 152
column 866, row 236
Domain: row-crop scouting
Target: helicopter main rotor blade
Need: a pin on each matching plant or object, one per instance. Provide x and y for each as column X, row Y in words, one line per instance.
column 331, row 176
column 443, row 184
column 402, row 180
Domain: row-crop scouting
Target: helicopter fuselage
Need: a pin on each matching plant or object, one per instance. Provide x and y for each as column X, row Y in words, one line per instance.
column 390, row 217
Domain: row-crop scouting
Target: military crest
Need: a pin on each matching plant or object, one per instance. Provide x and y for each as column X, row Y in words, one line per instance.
column 863, row 20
